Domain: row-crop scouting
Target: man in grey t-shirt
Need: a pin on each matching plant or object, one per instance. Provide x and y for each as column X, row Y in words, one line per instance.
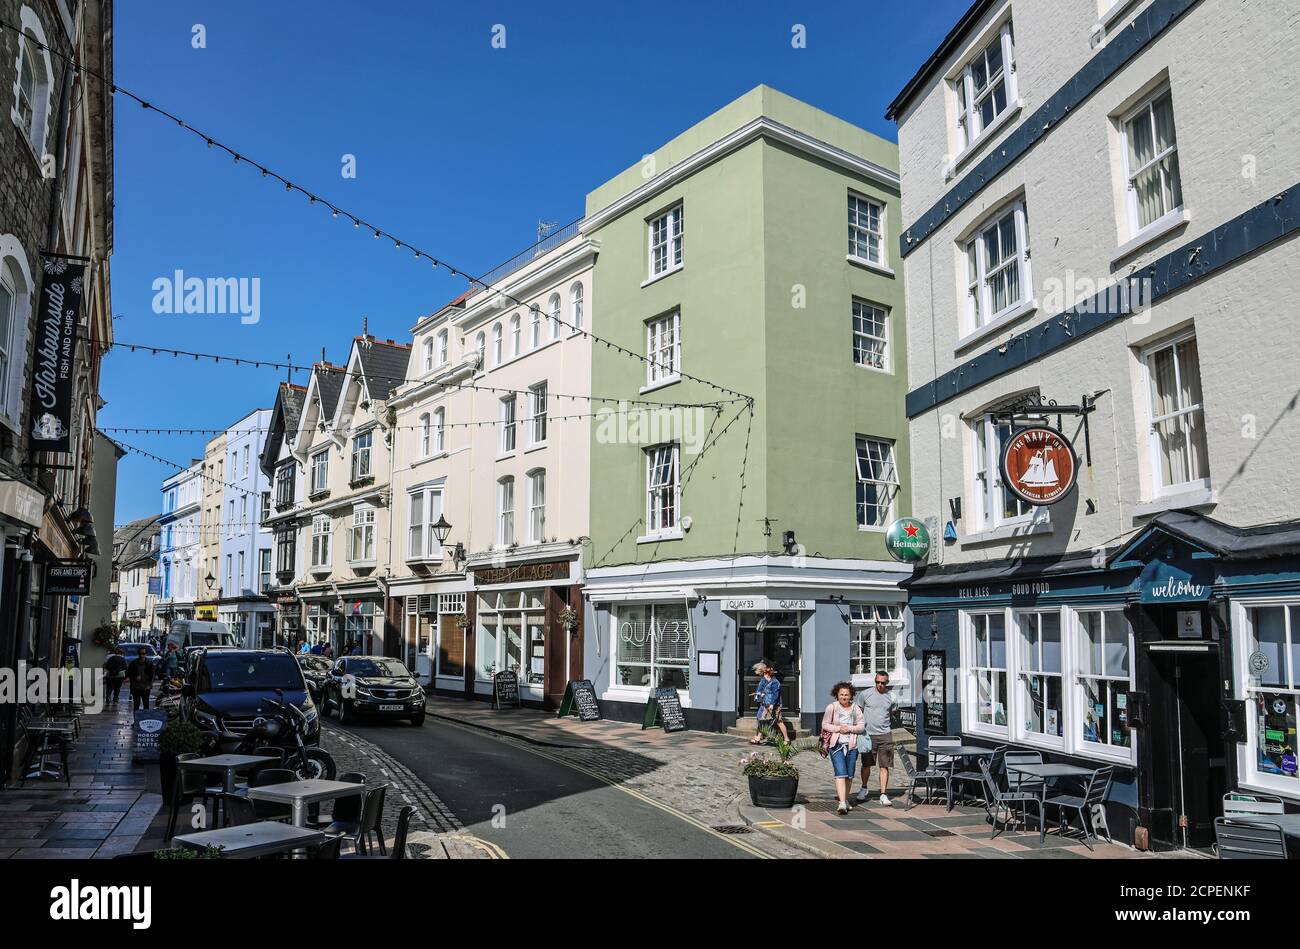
column 877, row 704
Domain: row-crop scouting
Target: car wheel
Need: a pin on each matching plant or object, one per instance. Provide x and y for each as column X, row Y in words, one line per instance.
column 346, row 715
column 417, row 720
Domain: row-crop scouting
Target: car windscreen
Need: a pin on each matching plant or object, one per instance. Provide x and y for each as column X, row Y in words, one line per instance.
column 272, row 671
column 133, row 649
column 376, row 667
column 209, row 639
column 315, row 663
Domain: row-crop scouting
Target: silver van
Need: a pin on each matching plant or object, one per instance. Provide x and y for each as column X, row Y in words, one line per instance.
column 190, row 633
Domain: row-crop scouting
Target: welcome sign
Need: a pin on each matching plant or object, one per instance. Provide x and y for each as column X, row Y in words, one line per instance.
column 49, row 400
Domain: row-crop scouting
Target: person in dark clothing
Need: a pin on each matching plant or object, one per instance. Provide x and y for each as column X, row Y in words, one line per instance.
column 140, row 672
column 114, row 675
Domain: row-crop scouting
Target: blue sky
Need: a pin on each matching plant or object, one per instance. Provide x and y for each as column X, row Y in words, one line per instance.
column 459, row 147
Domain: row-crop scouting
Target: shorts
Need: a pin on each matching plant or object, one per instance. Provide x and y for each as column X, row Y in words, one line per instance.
column 844, row 759
column 882, row 752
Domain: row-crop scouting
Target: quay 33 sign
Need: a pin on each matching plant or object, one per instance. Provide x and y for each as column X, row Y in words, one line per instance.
column 50, row 397
column 1039, row 465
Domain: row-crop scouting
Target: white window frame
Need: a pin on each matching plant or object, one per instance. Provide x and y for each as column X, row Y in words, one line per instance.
column 439, row 444
column 658, row 523
column 505, row 511
column 443, row 348
column 424, row 434
column 576, row 302
column 362, row 446
column 555, row 307
column 875, row 637
column 863, row 352
column 428, row 355
column 1196, row 411
column 1073, row 621
column 497, row 352
column 1145, row 110
column 655, row 631
column 860, row 209
column 537, row 415
column 516, row 337
column 664, row 352
column 883, row 480
column 264, row 558
column 320, row 463
column 1243, row 639
column 666, row 232
column 975, row 263
column 421, row 542
column 508, row 415
column 534, row 326
column 362, row 532
column 964, row 87
column 987, row 489
column 970, row 673
column 322, row 531
column 537, row 506
column 1029, row 620
column 32, row 47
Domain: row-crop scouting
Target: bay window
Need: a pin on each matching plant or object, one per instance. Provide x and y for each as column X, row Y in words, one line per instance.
column 997, row 268
column 426, row 506
column 652, row 643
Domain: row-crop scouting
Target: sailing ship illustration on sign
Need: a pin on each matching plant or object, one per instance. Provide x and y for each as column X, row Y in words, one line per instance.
column 1039, row 465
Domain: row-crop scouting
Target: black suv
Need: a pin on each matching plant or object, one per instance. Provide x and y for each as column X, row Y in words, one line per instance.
column 373, row 685
column 225, row 688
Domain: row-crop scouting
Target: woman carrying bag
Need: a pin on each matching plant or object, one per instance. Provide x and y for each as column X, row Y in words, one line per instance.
column 843, row 728
column 768, row 698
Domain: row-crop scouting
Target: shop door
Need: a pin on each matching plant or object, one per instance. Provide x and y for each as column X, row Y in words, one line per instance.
column 1189, row 770
column 777, row 642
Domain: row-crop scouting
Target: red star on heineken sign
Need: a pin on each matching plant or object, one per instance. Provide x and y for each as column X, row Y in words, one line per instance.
column 911, row 530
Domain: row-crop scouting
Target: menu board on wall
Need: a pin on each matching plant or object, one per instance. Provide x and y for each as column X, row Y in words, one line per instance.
column 934, row 691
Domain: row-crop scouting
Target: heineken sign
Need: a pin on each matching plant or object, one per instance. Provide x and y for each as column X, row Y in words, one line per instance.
column 1039, row 465
column 49, row 399
column 907, row 540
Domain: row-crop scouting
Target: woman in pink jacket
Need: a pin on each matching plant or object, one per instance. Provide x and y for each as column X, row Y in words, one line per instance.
column 843, row 719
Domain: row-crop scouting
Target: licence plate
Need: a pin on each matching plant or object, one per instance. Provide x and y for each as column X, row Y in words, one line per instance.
column 390, row 708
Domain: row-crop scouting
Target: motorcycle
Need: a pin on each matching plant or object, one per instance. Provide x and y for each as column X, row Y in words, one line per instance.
column 284, row 727
column 169, row 696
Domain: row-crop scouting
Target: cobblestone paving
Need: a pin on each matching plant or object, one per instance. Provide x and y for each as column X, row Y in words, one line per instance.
column 435, row 831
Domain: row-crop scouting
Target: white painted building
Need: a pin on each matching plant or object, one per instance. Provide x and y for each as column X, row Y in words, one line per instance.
column 245, row 539
column 180, row 547
column 1052, row 154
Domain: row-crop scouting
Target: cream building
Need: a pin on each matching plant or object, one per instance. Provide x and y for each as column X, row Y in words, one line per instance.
column 493, row 448
column 1098, row 237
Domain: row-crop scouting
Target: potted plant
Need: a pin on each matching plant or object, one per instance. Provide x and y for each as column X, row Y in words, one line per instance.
column 177, row 738
column 773, row 780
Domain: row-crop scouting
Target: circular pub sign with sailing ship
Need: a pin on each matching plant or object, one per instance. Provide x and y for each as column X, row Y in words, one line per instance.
column 1039, row 465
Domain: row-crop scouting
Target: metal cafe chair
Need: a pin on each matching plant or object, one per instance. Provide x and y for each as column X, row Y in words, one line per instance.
column 975, row 777
column 1095, row 794
column 1249, row 803
column 42, row 738
column 998, row 800
column 1237, row 840
column 1017, row 781
column 923, row 778
column 188, row 786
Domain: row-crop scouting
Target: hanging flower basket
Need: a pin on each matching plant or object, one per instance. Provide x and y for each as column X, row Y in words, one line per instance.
column 569, row 617
column 462, row 622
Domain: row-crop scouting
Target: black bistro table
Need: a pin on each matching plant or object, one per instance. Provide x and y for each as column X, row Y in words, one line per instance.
column 1045, row 772
column 260, row 839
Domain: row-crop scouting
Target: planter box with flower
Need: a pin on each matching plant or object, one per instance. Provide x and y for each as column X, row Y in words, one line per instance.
column 177, row 738
column 773, row 780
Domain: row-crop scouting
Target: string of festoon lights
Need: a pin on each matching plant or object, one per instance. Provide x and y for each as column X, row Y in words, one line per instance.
column 322, row 367
column 337, row 211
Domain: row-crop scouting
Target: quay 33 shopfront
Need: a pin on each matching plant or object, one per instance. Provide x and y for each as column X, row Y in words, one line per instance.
column 1175, row 659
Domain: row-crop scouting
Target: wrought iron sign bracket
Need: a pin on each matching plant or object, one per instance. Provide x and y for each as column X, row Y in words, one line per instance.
column 1031, row 409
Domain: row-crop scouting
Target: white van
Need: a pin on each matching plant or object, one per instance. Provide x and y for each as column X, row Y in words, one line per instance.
column 189, row 633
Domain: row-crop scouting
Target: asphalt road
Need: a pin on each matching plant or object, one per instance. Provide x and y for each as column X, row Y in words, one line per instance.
column 534, row 806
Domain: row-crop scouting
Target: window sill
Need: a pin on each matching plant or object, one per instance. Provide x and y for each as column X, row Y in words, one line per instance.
column 1196, row 497
column 651, row 387
column 318, row 495
column 871, row 529
column 982, row 139
column 657, row 277
column 869, row 265
column 362, row 564
column 883, row 370
column 1008, row 532
column 532, row 448
column 434, row 457
column 663, row 535
column 1160, row 227
column 506, row 457
column 1117, row 9
column 1013, row 315
column 320, row 571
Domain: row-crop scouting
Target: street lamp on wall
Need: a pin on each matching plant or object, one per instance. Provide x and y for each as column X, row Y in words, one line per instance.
column 211, row 581
column 442, row 530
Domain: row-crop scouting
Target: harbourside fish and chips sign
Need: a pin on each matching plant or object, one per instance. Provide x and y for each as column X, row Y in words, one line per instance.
column 908, row 540
column 1039, row 465
column 49, row 400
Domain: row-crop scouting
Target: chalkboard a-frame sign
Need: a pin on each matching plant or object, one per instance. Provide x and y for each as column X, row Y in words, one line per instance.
column 580, row 700
column 505, row 690
column 664, row 707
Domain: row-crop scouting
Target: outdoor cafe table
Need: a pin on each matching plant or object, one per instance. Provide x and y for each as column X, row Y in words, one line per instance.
column 1290, row 823
column 225, row 765
column 1046, row 771
column 301, row 793
column 254, row 840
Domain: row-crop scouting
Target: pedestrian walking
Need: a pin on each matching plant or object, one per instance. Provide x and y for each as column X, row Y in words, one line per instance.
column 114, row 675
column 140, row 672
column 318, row 649
column 302, row 646
column 328, row 651
column 768, row 698
column 171, row 663
column 878, row 705
column 842, row 723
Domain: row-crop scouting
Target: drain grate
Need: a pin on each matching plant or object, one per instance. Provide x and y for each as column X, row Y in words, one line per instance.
column 732, row 829
column 939, row 833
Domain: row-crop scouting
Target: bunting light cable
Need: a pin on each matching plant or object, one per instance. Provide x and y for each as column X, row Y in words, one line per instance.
column 357, row 221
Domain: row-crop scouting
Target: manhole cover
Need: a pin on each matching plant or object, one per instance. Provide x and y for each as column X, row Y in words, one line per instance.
column 938, row 833
column 734, row 829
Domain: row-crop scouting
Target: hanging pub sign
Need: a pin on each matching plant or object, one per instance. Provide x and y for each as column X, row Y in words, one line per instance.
column 1039, row 465
column 68, row 578
column 908, row 540
column 49, row 400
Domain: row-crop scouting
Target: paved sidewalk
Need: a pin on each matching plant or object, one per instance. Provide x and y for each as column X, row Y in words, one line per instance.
column 925, row 831
column 105, row 812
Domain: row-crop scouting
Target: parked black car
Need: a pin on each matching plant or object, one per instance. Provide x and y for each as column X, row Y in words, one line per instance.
column 315, row 670
column 373, row 685
column 226, row 689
